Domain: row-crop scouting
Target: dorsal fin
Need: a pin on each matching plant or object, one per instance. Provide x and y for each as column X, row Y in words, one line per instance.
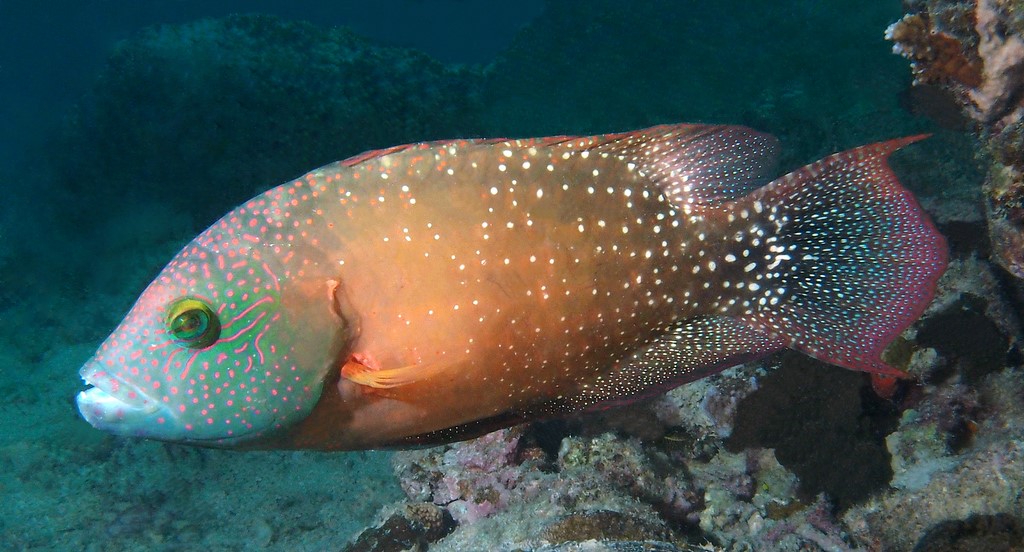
column 697, row 164
column 372, row 154
column 521, row 142
column 692, row 164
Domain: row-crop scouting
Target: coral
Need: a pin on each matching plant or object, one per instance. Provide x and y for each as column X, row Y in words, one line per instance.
column 472, row 480
column 936, row 56
column 411, row 527
column 598, row 487
column 603, row 525
column 984, row 73
column 1005, row 207
column 973, row 277
column 1003, row 56
column 621, row 490
column 622, row 546
column 918, row 450
column 980, row 348
column 820, row 422
column 976, row 52
column 996, row 532
column 955, row 456
column 987, row 482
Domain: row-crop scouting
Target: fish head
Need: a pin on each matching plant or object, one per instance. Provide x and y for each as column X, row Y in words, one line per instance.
column 221, row 348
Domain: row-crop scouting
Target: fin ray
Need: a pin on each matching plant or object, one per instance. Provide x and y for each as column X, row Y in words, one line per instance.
column 389, row 378
column 687, row 351
column 698, row 165
column 856, row 262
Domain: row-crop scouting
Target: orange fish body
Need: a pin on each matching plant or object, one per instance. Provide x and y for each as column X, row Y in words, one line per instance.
column 433, row 292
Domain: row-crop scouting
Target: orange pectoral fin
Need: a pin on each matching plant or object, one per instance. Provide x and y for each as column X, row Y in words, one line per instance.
column 358, row 372
column 362, row 374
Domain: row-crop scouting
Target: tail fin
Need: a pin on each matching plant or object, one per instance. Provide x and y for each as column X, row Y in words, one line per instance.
column 855, row 260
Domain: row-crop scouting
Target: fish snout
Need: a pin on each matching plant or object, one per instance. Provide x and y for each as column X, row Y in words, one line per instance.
column 117, row 406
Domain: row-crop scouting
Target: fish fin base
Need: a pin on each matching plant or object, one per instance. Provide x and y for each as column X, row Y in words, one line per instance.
column 855, row 262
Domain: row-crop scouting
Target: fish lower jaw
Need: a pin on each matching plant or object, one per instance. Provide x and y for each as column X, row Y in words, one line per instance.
column 116, row 407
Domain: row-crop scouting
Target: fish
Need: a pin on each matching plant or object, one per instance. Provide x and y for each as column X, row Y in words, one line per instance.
column 433, row 292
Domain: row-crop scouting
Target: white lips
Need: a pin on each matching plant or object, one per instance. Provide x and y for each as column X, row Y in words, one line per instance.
column 111, row 410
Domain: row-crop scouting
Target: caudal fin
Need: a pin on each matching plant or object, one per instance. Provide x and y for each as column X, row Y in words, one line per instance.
column 855, row 260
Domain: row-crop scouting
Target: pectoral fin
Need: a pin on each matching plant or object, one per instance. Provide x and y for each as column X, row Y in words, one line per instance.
column 357, row 370
column 362, row 374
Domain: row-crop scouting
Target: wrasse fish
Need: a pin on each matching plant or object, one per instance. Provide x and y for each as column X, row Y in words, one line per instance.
column 433, row 292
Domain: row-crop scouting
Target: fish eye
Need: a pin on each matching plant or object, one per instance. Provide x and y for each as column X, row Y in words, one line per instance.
column 193, row 323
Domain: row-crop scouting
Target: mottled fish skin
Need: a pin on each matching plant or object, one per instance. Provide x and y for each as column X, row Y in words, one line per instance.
column 435, row 291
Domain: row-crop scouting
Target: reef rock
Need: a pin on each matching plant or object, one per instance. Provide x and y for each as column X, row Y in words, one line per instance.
column 975, row 51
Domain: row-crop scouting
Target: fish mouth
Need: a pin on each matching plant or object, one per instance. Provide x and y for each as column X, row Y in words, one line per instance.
column 114, row 405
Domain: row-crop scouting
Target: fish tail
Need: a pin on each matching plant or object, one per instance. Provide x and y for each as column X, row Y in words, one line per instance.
column 851, row 259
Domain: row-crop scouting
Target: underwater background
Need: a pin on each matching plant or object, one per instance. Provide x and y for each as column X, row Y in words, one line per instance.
column 129, row 127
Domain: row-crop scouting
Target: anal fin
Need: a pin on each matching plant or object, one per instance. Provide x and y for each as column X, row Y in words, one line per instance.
column 690, row 350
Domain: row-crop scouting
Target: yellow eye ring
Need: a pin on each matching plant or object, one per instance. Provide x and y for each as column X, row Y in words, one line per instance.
column 192, row 323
